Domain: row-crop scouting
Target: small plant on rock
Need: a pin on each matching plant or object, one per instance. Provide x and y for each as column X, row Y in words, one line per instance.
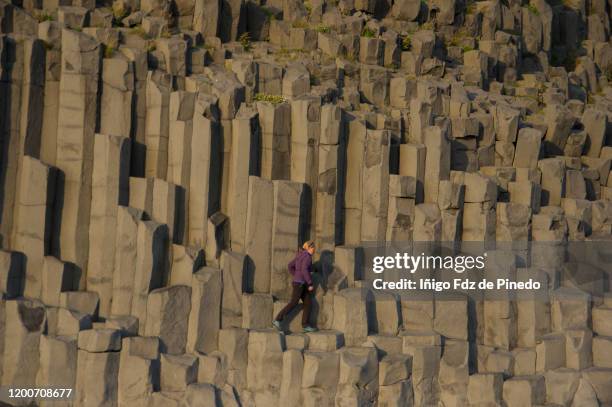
column 245, row 41
column 109, row 51
column 269, row 13
column 406, row 43
column 368, row 33
column 308, row 7
column 265, row 97
column 139, row 31
column 299, row 24
column 44, row 16
column 322, row 28
column 119, row 13
column 533, row 10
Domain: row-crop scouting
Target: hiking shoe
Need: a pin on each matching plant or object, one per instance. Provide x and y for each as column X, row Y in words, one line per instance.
column 308, row 329
column 276, row 324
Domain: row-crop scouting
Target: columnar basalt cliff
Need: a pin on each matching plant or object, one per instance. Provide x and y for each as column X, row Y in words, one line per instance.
column 163, row 160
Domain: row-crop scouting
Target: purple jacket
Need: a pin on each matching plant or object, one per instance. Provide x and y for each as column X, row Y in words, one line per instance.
column 300, row 267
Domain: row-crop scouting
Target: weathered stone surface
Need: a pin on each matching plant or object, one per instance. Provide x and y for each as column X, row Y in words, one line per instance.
column 100, row 340
column 167, row 317
column 286, row 223
column 110, row 188
column 97, row 381
column 33, row 228
column 205, row 314
column 150, row 266
column 24, row 323
column 75, row 141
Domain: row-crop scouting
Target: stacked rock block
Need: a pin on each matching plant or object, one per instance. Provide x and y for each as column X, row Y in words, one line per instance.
column 162, row 162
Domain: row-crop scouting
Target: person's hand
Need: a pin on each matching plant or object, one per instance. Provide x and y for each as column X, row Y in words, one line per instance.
column 310, row 288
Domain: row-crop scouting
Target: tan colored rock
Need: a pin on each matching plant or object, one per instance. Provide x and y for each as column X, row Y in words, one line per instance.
column 126, row 256
column 212, row 368
column 293, row 365
column 57, row 277
column 350, row 315
column 110, row 188
column 550, row 352
column 561, row 385
column 602, row 324
column 264, row 370
column 138, row 370
column 58, row 362
column 167, row 317
column 485, row 389
column 256, row 311
column 150, row 266
column 177, row 372
column 258, row 238
column 24, row 323
column 205, row 314
column 75, row 140
column 32, row 231
column 97, row 378
column 437, row 162
column 285, row 238
column 524, row 391
column 578, row 349
column 157, row 123
column 99, row 340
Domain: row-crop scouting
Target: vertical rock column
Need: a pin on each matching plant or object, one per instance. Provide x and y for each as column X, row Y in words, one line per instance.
column 10, row 104
column 437, row 161
column 25, row 321
column 125, row 259
column 32, row 96
column 330, row 188
column 352, row 197
column 138, row 57
column 158, row 87
column 204, row 186
column 400, row 213
column 97, row 378
column 206, row 17
column 375, row 186
column 33, row 220
column 265, row 365
column 151, row 249
column 168, row 317
column 305, row 134
column 76, row 127
column 258, row 239
column 288, row 197
column 165, row 209
column 205, row 315
column 48, row 147
column 179, row 148
column 231, row 95
column 58, row 364
column 110, row 188
column 244, row 161
column 117, row 96
column 275, row 123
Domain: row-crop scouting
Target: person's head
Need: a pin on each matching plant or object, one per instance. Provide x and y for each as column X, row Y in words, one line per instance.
column 309, row 246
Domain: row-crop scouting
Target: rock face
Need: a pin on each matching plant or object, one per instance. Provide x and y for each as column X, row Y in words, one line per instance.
column 162, row 161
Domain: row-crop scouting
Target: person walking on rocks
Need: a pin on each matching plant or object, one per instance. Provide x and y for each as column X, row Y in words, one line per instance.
column 301, row 268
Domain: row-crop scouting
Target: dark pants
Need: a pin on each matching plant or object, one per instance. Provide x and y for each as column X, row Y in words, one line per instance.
column 300, row 291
